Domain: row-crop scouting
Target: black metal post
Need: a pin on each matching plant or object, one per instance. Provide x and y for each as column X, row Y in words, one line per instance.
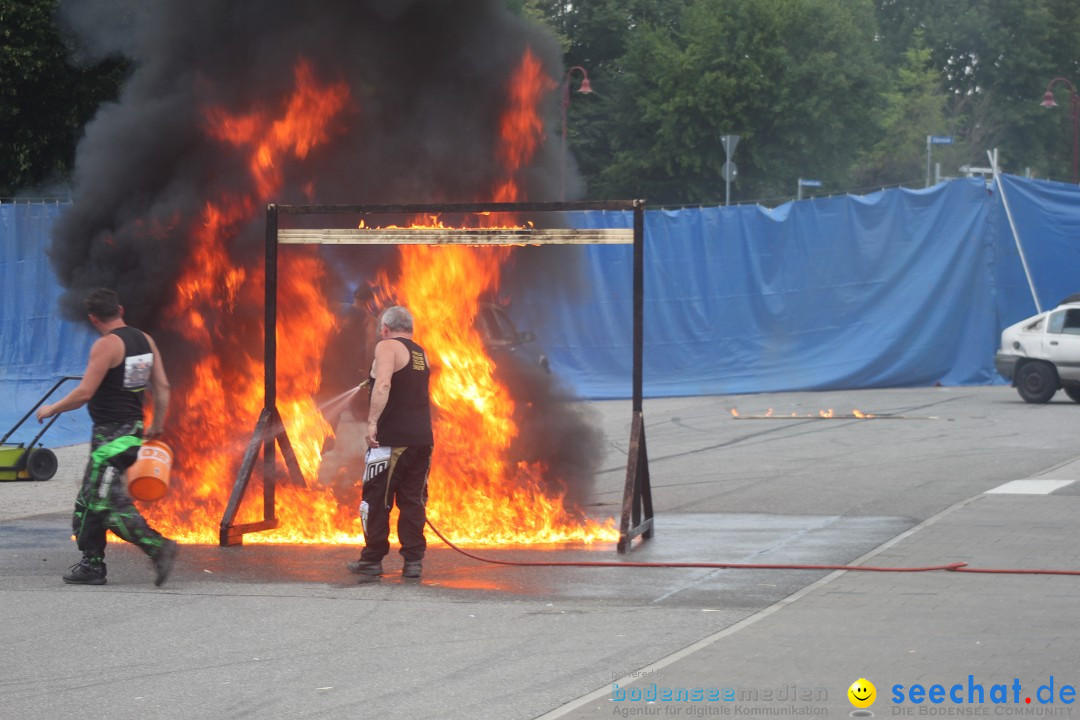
column 270, row 363
column 637, row 510
column 270, row 309
column 639, row 300
column 270, row 429
column 230, row 534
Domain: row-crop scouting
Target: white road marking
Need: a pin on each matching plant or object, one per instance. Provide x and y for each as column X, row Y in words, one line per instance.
column 1030, row 487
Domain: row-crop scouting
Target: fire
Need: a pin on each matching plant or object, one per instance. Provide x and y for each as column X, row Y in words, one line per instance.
column 434, row 222
column 521, row 129
column 829, row 414
column 478, row 493
column 216, row 312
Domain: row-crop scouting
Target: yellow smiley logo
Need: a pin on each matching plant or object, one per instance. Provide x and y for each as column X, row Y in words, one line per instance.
column 862, row 693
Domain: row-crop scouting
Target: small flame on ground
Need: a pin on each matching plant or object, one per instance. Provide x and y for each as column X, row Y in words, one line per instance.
column 829, row 414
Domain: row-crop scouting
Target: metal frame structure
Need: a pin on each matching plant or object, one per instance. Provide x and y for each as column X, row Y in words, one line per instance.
column 637, row 513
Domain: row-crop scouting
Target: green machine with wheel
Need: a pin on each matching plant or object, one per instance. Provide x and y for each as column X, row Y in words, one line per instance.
column 30, row 461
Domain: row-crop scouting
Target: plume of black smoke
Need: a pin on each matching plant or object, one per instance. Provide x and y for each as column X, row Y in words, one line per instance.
column 552, row 430
column 427, row 81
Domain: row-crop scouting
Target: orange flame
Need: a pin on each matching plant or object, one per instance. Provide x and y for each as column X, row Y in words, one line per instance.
column 521, row 129
column 479, row 493
column 212, row 312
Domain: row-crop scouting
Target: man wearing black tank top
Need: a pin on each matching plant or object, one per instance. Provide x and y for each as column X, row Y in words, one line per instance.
column 400, row 441
column 124, row 363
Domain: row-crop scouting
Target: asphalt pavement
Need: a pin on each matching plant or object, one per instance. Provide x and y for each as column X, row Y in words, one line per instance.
column 927, row 477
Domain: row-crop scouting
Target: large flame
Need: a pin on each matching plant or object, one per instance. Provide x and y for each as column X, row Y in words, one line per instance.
column 216, row 313
column 478, row 494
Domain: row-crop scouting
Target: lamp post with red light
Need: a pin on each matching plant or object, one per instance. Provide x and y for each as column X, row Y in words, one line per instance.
column 585, row 88
column 1074, row 115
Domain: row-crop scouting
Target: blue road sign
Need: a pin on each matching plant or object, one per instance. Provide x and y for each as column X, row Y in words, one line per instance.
column 941, row 140
column 809, row 183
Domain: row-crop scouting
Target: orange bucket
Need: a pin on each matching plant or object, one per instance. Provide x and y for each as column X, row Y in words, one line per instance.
column 148, row 477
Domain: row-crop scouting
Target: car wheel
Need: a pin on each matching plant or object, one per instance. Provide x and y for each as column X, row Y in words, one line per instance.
column 1073, row 391
column 1037, row 382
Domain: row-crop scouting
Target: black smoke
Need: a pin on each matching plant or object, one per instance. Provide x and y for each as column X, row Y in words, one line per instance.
column 427, row 82
column 553, row 430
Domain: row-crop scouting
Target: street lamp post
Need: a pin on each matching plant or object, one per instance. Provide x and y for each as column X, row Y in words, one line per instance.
column 585, row 88
column 1074, row 115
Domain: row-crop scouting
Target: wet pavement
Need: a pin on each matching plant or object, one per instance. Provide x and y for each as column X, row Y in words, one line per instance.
column 287, row 632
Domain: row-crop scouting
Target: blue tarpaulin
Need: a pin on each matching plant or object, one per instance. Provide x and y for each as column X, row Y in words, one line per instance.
column 893, row 289
column 37, row 346
column 896, row 288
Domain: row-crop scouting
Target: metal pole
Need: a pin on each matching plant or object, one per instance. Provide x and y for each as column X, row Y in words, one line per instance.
column 639, row 301
column 270, row 310
column 1012, row 225
column 270, row 362
column 798, row 193
column 586, row 88
column 1074, row 110
column 1074, row 115
column 927, row 161
column 562, row 157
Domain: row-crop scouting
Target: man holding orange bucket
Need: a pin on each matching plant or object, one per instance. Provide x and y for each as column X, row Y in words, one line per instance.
column 124, row 363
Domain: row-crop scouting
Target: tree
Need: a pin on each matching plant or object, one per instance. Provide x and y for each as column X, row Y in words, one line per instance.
column 796, row 79
column 44, row 100
column 596, row 34
column 997, row 57
column 914, row 107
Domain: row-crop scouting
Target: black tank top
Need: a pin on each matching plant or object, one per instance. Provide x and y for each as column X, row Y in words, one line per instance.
column 119, row 398
column 406, row 419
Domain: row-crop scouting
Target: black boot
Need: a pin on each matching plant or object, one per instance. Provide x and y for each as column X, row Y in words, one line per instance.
column 86, row 572
column 164, row 561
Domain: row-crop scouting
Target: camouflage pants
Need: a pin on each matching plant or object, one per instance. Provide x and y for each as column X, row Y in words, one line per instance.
column 103, row 503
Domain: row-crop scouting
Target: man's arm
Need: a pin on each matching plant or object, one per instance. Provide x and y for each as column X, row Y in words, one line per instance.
column 380, row 389
column 102, row 357
column 159, row 390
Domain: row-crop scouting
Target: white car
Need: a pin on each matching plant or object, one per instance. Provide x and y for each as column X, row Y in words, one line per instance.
column 1042, row 354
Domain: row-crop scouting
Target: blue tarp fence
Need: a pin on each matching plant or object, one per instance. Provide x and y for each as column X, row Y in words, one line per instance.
column 37, row 346
column 899, row 288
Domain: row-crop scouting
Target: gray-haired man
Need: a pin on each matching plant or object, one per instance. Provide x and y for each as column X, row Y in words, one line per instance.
column 400, row 441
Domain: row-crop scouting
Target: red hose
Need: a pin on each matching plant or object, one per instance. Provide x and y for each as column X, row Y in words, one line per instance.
column 954, row 566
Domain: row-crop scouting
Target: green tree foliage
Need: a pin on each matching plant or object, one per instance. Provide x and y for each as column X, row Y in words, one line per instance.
column 44, row 100
column 596, row 37
column 996, row 57
column 796, row 79
column 915, row 106
column 842, row 90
